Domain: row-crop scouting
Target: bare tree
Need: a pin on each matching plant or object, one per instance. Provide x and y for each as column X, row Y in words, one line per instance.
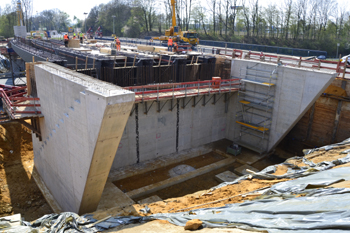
column 255, row 15
column 213, row 3
column 288, row 12
column 246, row 15
column 28, row 11
column 326, row 10
column 271, row 15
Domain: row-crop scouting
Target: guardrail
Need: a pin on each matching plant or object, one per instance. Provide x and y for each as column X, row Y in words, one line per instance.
column 185, row 89
column 318, row 64
column 13, row 97
column 264, row 48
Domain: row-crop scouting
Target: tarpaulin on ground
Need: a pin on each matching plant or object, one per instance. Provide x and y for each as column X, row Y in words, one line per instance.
column 304, row 204
column 57, row 223
column 293, row 170
column 317, row 210
column 328, row 147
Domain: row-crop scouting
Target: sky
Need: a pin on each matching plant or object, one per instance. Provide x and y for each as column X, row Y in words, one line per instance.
column 72, row 7
column 78, row 7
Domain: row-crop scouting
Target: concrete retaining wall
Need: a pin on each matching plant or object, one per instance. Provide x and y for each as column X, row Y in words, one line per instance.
column 83, row 122
column 151, row 135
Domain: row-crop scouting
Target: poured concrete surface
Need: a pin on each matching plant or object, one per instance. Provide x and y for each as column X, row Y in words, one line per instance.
column 226, row 176
column 84, row 119
column 180, row 170
column 150, row 199
column 155, row 134
column 113, row 197
column 137, row 193
column 295, row 91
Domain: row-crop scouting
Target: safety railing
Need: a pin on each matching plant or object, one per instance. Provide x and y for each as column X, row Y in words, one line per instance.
column 339, row 66
column 14, row 97
column 186, row 89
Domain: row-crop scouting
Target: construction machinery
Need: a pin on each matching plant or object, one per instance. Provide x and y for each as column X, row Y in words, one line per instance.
column 98, row 32
column 190, row 37
column 90, row 34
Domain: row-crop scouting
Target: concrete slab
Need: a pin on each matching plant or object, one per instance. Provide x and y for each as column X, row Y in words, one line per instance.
column 148, row 165
column 226, row 176
column 178, row 179
column 242, row 169
column 113, row 197
column 150, row 199
column 180, row 170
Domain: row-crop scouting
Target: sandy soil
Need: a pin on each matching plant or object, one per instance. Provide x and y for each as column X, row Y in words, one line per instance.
column 281, row 170
column 19, row 192
column 322, row 155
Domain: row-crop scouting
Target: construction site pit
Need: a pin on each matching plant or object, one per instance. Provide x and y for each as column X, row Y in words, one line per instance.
column 192, row 174
column 168, row 179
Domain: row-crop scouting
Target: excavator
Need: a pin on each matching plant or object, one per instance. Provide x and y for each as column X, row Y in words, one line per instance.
column 190, row 37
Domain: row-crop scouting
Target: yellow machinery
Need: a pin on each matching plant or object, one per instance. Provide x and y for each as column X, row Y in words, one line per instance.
column 175, row 32
column 19, row 14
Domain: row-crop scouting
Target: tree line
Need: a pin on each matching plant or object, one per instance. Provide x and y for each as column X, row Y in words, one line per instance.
column 312, row 24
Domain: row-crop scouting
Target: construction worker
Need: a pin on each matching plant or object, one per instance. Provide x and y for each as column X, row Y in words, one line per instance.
column 74, row 36
column 175, row 47
column 117, row 43
column 170, row 44
column 81, row 35
column 65, row 38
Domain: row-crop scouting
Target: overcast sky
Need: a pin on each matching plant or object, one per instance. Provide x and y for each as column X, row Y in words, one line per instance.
column 78, row 7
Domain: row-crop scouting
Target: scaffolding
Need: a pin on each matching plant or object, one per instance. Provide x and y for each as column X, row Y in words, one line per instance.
column 256, row 100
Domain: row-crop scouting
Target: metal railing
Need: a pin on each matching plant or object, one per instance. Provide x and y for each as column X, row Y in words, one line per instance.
column 264, row 48
column 13, row 97
column 185, row 89
column 339, row 66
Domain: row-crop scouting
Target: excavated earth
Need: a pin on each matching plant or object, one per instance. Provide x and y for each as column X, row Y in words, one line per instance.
column 19, row 192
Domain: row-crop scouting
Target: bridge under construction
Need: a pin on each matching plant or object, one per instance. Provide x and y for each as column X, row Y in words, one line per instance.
column 115, row 115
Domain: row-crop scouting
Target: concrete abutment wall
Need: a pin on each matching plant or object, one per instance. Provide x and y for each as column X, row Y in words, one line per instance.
column 155, row 134
column 87, row 126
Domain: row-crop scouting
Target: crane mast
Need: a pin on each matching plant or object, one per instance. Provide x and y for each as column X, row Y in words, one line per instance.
column 173, row 10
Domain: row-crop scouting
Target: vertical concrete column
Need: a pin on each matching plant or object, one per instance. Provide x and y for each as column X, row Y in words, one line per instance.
column 84, row 119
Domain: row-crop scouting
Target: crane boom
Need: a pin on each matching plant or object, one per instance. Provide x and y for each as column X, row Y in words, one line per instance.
column 175, row 32
column 173, row 10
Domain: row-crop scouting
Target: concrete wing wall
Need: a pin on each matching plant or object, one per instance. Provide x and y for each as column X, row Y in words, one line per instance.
column 83, row 122
column 295, row 91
